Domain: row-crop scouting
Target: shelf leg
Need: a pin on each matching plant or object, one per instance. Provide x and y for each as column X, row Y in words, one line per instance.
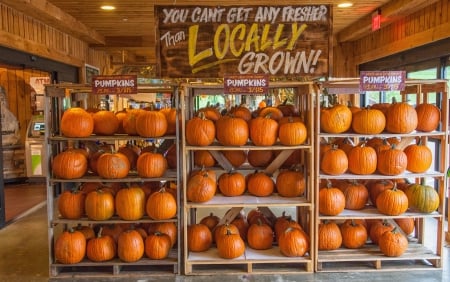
column 378, row 264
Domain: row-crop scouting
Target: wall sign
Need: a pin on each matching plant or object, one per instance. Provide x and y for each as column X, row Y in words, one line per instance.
column 246, row 84
column 382, row 80
column 114, row 84
column 210, row 41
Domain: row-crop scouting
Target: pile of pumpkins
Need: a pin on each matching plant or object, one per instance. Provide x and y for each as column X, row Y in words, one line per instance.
column 256, row 230
column 128, row 242
column 239, row 125
column 378, row 154
column 77, row 122
column 100, row 202
column 202, row 185
column 388, row 196
column 354, row 234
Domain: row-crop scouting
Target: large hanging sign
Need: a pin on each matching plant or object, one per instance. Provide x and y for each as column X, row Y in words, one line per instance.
column 199, row 41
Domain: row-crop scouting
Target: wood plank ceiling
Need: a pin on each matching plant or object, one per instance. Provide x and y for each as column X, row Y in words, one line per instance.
column 128, row 32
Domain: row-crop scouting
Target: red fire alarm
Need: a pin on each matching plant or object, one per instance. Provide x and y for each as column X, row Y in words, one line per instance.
column 376, row 20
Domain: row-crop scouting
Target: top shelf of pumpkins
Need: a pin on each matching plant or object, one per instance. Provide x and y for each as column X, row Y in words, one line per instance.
column 115, row 163
column 377, row 128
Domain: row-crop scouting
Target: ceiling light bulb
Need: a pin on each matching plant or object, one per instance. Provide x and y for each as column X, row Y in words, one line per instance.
column 108, row 7
column 345, row 5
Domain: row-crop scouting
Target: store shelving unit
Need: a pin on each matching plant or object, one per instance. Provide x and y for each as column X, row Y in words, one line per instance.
column 426, row 244
column 253, row 261
column 57, row 97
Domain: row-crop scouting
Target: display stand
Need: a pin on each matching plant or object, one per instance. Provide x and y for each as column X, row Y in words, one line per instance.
column 56, row 99
column 301, row 208
column 419, row 254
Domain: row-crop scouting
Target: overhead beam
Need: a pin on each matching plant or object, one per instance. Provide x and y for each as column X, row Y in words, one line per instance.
column 390, row 12
column 50, row 14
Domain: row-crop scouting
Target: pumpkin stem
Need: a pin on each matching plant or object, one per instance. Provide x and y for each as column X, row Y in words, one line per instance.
column 99, row 233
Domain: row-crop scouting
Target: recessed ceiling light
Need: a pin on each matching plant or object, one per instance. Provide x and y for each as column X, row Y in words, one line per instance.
column 345, row 4
column 108, row 7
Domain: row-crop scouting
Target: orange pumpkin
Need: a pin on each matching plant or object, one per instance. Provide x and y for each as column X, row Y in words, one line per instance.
column 292, row 133
column 260, row 158
column 290, row 183
column 392, row 161
column 428, row 117
column 392, row 202
column 356, row 196
column 157, row 245
column 335, row 119
column 419, row 157
column 204, row 159
column 232, row 131
column 70, row 247
column 99, row 205
column 230, row 245
column 334, row 161
column 129, row 122
column 171, row 117
column 130, row 246
column 105, row 123
column 260, row 184
column 293, row 242
column 200, row 187
column 231, row 183
column 393, row 243
column 113, row 165
column 331, row 200
column 200, row 131
column 260, row 236
column 235, row 157
column 169, row 228
column 362, row 160
column 401, row 117
column 71, row 204
column 199, row 237
column 329, row 236
column 161, row 205
column 354, row 235
column 76, row 122
column 151, row 124
column 69, row 165
column 130, row 203
column 377, row 229
column 368, row 121
column 151, row 165
column 263, row 131
column 101, row 248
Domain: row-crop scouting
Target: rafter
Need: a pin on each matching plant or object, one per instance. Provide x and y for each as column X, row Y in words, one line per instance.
column 390, row 12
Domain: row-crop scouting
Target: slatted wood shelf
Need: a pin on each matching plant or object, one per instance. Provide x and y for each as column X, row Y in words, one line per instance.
column 252, row 261
column 370, row 258
column 117, row 268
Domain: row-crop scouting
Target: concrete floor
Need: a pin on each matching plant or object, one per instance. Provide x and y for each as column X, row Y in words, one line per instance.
column 24, row 257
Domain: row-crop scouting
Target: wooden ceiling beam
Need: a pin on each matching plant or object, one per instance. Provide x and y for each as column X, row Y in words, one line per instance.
column 390, row 12
column 50, row 14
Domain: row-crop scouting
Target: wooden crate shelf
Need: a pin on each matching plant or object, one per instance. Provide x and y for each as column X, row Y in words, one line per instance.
column 252, row 261
column 369, row 258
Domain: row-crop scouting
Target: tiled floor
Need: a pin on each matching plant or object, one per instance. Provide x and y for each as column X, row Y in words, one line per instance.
column 24, row 257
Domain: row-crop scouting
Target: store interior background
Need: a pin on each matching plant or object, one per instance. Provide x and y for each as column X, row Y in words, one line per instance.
column 427, row 56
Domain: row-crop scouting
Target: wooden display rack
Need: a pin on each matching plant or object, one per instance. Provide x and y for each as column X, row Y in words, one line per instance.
column 56, row 142
column 418, row 256
column 254, row 262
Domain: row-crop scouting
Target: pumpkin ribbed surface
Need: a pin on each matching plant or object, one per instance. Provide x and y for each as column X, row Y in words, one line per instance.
column 76, row 122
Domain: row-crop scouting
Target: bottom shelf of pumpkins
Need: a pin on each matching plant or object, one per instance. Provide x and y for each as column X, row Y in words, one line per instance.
column 254, row 237
column 107, row 225
column 356, row 240
column 384, row 232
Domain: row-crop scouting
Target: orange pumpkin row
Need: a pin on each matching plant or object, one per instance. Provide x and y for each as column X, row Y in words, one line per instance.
column 388, row 199
column 292, row 241
column 202, row 185
column 72, row 164
column 398, row 117
column 353, row 234
column 129, row 245
column 77, row 122
column 230, row 130
column 128, row 203
column 387, row 160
